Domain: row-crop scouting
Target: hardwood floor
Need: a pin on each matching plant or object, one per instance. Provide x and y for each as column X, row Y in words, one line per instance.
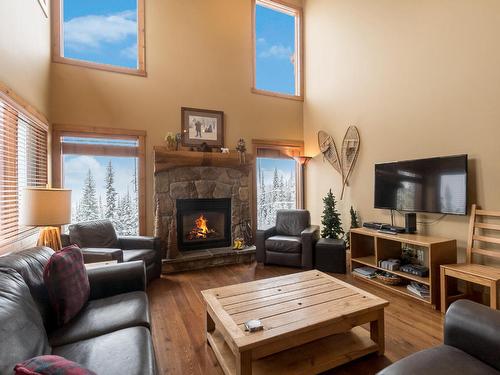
column 178, row 320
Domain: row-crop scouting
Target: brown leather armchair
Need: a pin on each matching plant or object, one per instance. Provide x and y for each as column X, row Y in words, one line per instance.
column 99, row 243
column 289, row 243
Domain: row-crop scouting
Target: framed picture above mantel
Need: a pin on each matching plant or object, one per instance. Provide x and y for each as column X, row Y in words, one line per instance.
column 200, row 126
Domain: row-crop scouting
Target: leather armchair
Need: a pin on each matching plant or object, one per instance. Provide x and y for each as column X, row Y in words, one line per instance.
column 100, row 243
column 289, row 243
column 471, row 345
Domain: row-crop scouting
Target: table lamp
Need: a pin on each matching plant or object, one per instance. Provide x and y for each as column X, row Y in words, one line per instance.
column 48, row 208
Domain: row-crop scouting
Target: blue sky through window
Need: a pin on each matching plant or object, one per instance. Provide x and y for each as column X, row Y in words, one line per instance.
column 275, row 50
column 101, row 31
column 285, row 167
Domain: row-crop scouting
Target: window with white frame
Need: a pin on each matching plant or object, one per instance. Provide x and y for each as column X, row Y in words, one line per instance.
column 106, row 35
column 277, row 49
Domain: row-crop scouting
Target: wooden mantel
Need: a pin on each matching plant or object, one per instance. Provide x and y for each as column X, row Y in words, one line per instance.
column 165, row 160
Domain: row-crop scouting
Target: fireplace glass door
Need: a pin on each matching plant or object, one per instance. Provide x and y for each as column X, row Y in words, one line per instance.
column 203, row 223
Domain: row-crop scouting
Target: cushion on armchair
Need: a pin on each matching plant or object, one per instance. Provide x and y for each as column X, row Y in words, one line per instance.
column 284, row 244
column 96, row 233
column 292, row 222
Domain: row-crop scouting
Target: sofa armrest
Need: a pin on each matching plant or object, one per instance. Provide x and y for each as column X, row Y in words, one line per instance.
column 138, row 242
column 107, row 281
column 474, row 329
column 98, row 254
column 260, row 240
column 309, row 237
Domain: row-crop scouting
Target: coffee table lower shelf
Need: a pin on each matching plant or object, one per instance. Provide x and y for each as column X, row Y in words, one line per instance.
column 311, row 358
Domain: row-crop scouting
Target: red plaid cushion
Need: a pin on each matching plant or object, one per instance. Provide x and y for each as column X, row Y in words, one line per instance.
column 67, row 283
column 50, row 365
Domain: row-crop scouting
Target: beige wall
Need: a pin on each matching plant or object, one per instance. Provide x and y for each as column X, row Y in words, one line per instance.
column 198, row 54
column 418, row 78
column 25, row 51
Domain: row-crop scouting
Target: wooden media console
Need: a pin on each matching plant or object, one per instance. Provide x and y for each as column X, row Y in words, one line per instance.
column 368, row 247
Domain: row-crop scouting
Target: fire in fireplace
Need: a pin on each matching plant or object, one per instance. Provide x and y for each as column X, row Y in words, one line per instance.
column 201, row 230
column 203, row 223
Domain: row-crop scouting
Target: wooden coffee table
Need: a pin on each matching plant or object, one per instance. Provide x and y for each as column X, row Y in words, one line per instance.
column 311, row 324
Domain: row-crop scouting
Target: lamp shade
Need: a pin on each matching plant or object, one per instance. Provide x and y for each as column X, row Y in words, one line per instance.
column 45, row 207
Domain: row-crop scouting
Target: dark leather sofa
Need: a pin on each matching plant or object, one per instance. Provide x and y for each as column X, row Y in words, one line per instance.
column 99, row 243
column 111, row 335
column 289, row 243
column 471, row 345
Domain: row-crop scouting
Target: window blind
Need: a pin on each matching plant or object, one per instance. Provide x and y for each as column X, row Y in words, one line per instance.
column 23, row 163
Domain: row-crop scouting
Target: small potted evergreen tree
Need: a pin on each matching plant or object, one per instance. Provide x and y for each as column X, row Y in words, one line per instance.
column 332, row 224
column 330, row 254
column 354, row 224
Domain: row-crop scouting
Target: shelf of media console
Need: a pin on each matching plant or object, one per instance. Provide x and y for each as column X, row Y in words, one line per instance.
column 370, row 261
column 368, row 246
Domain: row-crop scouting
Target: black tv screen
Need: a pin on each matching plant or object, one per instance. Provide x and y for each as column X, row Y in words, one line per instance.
column 437, row 185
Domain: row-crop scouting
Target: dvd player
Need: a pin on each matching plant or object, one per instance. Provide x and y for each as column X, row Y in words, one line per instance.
column 383, row 226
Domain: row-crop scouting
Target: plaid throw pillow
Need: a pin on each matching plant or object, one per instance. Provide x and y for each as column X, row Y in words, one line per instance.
column 67, row 283
column 50, row 365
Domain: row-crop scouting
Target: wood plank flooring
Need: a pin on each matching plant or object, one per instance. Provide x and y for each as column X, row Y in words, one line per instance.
column 177, row 312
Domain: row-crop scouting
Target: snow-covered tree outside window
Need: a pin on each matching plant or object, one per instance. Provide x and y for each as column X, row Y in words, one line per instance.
column 103, row 188
column 276, row 189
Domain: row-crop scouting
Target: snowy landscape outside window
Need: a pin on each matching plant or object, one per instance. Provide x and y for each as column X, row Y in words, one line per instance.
column 103, row 187
column 276, row 189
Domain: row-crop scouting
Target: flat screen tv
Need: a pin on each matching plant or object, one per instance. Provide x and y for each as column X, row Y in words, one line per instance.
column 435, row 185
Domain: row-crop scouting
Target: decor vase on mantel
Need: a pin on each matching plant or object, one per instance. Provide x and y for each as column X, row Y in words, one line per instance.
column 171, row 141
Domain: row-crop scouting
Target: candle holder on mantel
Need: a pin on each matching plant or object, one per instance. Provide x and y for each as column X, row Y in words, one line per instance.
column 171, row 141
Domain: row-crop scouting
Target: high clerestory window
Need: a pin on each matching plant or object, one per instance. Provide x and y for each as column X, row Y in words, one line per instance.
column 106, row 35
column 277, row 49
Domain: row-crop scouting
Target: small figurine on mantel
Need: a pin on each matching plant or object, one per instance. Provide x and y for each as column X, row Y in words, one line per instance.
column 241, row 148
column 178, row 141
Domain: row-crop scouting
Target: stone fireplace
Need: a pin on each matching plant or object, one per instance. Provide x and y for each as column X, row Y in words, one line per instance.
column 213, row 188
